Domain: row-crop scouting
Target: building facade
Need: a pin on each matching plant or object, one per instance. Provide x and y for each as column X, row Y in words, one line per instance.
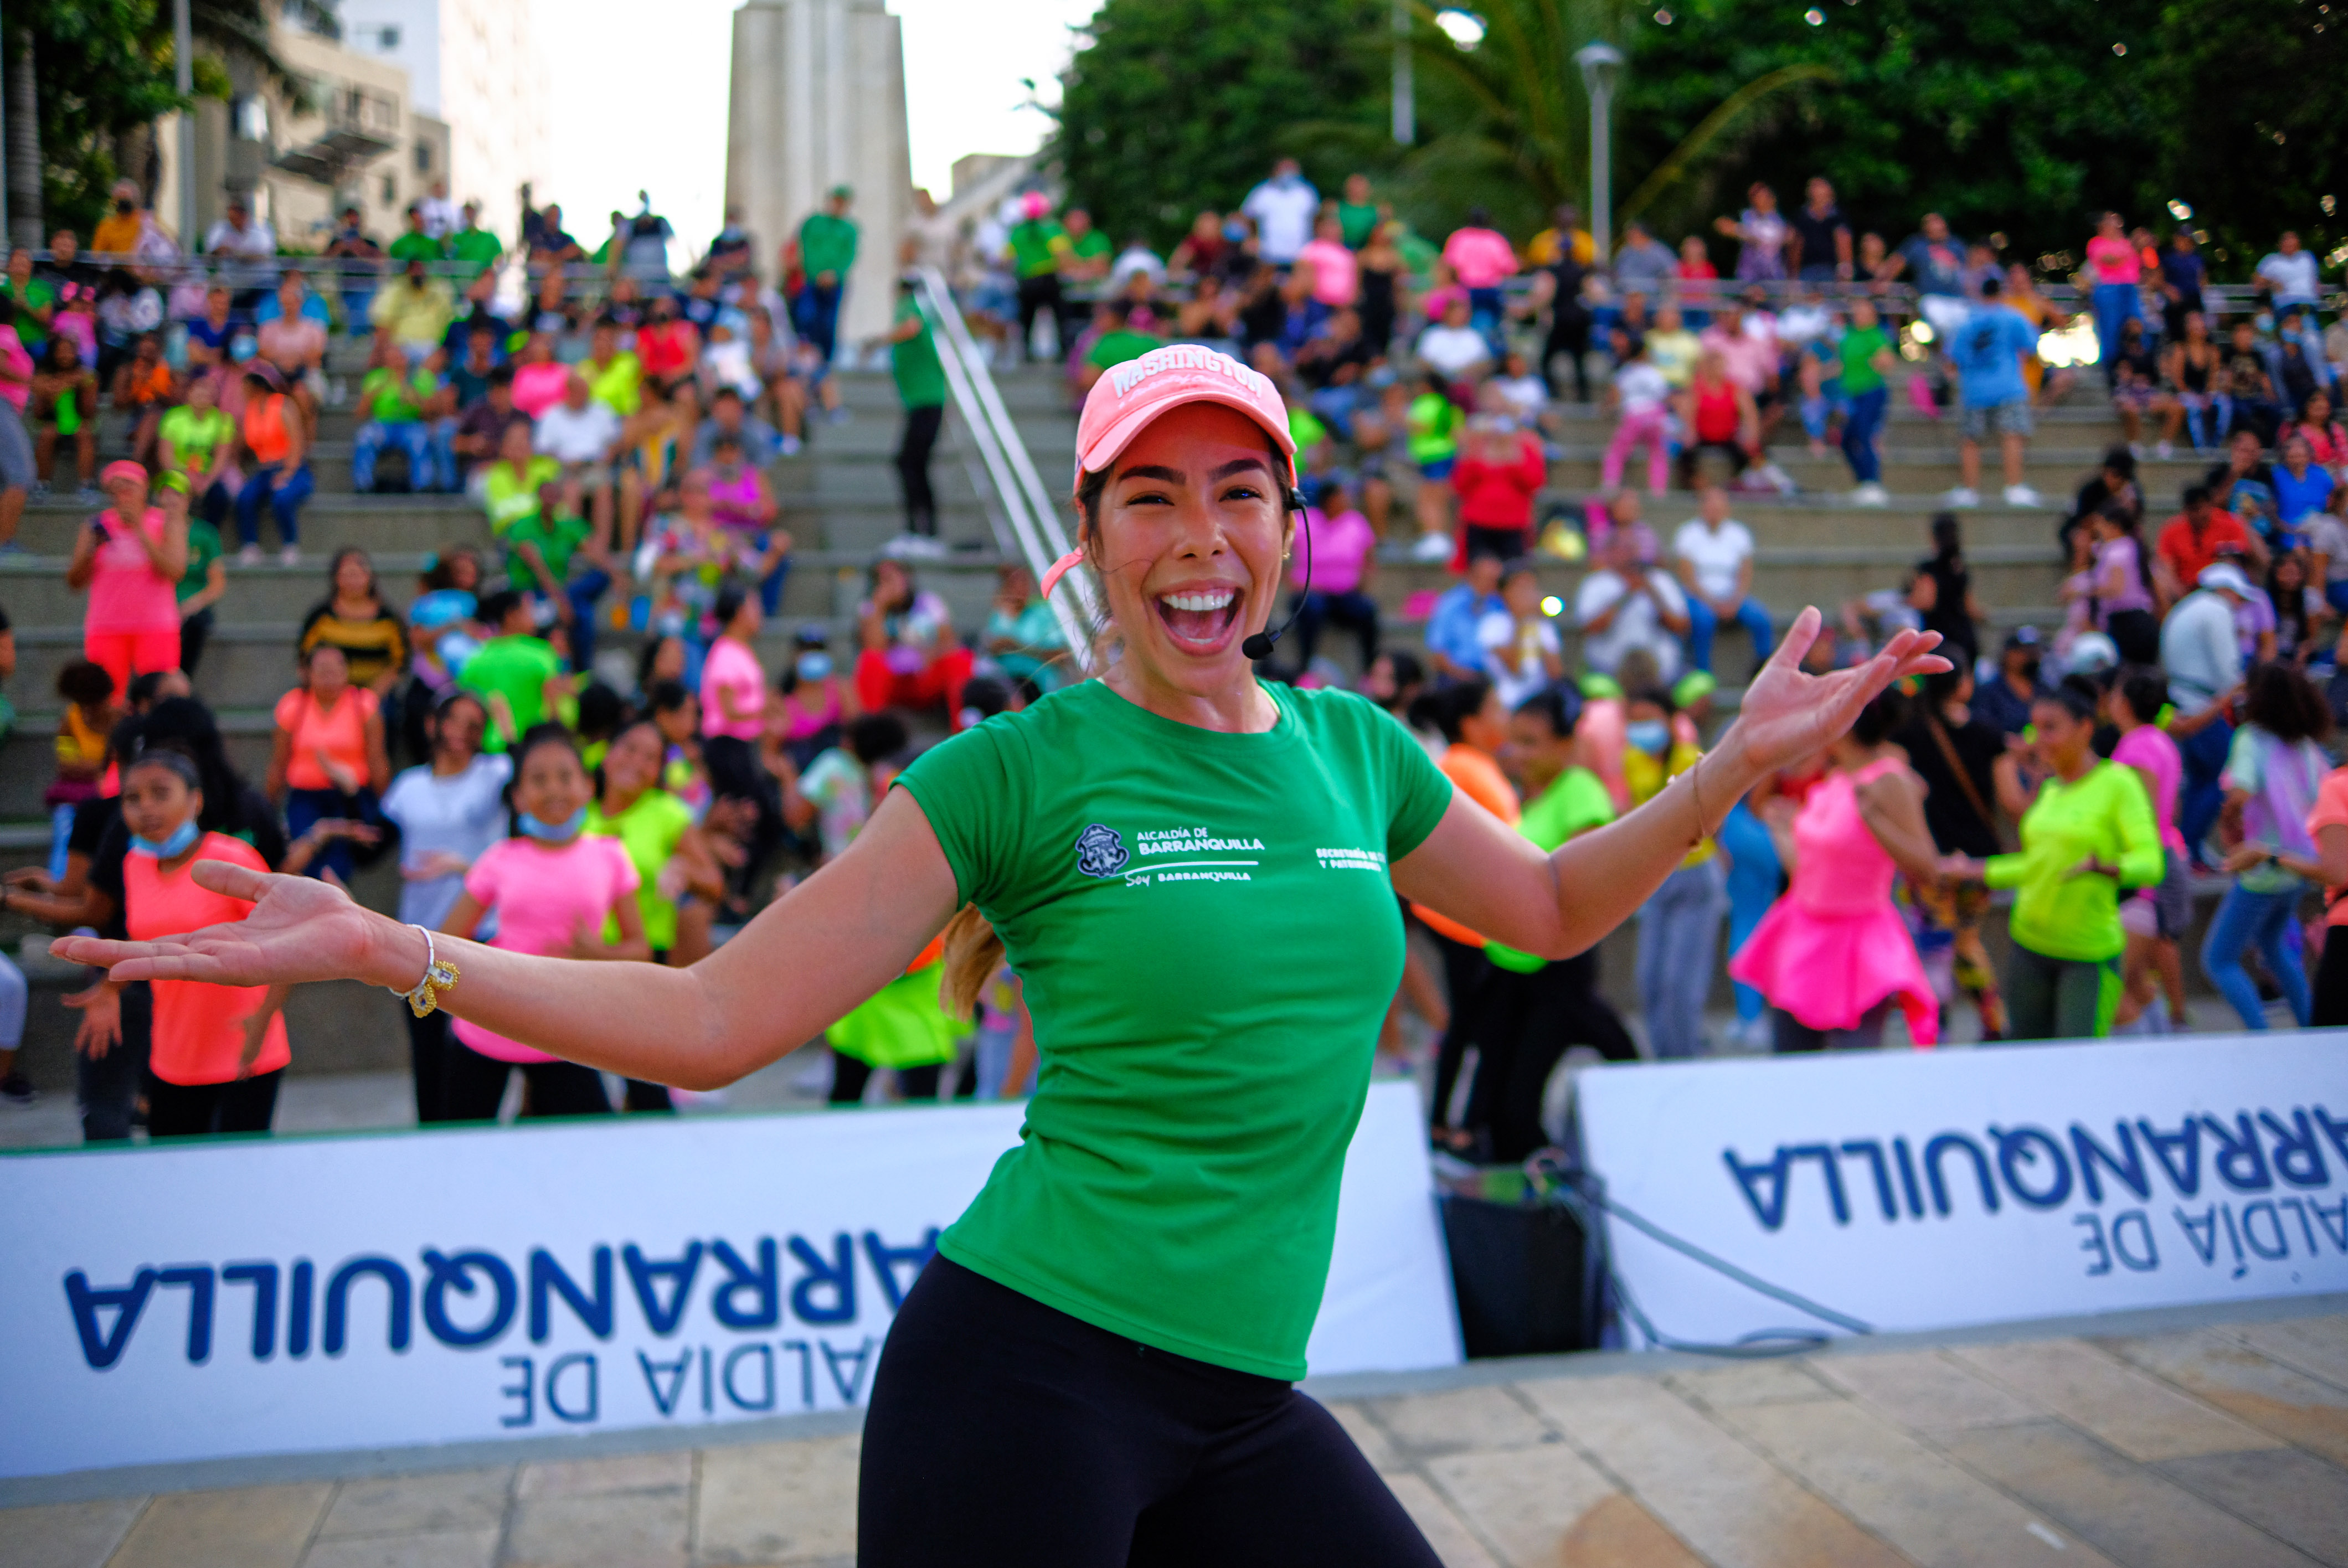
column 475, row 65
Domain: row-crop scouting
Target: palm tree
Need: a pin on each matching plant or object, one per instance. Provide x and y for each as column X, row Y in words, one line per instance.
column 1515, row 117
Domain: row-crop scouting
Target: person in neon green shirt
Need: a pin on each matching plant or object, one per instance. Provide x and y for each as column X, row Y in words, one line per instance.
column 1530, row 1010
column 615, row 377
column 2088, row 834
column 1037, row 242
column 416, row 245
column 512, row 482
column 518, row 673
column 474, row 246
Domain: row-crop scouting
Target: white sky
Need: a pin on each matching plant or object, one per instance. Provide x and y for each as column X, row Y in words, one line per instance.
column 964, row 61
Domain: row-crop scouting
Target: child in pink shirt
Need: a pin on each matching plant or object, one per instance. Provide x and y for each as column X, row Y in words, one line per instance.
column 552, row 889
column 1343, row 551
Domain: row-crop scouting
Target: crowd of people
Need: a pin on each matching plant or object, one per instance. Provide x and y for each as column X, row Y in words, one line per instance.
column 619, row 434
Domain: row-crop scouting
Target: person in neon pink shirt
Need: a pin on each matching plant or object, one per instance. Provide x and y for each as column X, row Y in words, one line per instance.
column 2156, row 917
column 1482, row 259
column 1337, row 270
column 552, row 887
column 130, row 558
column 1343, row 547
column 2117, row 270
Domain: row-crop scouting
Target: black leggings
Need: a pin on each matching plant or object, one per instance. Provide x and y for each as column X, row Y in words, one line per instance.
column 473, row 1085
column 922, row 427
column 1569, row 334
column 849, row 1074
column 1523, row 1024
column 1040, row 295
column 2331, row 989
column 1464, row 970
column 1002, row 1431
column 195, row 1110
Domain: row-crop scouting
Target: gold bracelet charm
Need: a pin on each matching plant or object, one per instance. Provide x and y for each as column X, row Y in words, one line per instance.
column 437, row 977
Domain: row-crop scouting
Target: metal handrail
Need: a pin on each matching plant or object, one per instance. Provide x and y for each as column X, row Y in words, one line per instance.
column 1026, row 512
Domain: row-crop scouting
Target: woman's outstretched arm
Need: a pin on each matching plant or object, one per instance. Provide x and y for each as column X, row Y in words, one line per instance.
column 795, row 970
column 1485, row 874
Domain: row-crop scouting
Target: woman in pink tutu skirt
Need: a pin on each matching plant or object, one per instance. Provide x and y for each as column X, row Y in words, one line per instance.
column 1833, row 956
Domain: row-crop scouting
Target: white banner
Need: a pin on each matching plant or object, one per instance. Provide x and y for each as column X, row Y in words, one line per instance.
column 1915, row 1190
column 312, row 1294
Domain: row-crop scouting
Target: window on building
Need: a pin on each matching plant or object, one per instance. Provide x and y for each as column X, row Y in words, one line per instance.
column 249, row 115
column 389, row 39
column 423, row 157
column 390, row 190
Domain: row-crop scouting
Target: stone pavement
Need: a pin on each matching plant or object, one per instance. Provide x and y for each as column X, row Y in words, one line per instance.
column 2204, row 1442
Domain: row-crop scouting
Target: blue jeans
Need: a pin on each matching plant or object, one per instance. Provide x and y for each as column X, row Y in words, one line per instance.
column 412, row 436
column 2266, row 921
column 1679, row 938
column 1704, row 622
column 818, row 317
column 1860, row 426
column 2113, row 303
column 2200, row 797
column 61, row 821
column 770, row 587
column 1484, row 308
column 284, row 494
column 1754, row 874
column 584, row 593
column 305, row 809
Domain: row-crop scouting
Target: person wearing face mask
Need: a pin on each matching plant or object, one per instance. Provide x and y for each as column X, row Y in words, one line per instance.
column 1099, row 1363
column 216, row 1054
column 812, row 701
column 450, row 811
column 554, row 891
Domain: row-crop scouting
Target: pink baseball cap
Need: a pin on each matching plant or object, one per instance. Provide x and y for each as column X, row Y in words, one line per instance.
column 122, row 468
column 1130, row 395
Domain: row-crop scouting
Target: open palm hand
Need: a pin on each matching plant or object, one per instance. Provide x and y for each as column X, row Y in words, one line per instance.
column 1790, row 715
column 299, row 929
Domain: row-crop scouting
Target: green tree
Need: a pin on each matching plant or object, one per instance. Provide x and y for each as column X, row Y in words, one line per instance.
column 1175, row 105
column 2011, row 117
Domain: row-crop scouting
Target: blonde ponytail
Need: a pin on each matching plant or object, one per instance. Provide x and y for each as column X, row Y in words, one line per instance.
column 973, row 953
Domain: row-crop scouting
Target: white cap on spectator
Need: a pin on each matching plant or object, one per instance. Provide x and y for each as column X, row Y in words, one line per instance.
column 2227, row 576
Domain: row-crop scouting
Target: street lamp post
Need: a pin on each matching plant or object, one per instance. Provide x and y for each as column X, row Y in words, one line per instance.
column 1405, row 117
column 183, row 77
column 1599, row 63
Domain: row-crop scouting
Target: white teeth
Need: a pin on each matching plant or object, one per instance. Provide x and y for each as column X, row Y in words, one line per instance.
column 1217, row 598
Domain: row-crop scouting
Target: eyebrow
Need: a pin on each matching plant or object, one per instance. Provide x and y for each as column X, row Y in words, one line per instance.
column 1176, row 476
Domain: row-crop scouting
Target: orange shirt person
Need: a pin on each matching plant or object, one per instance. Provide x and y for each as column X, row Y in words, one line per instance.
column 218, row 1052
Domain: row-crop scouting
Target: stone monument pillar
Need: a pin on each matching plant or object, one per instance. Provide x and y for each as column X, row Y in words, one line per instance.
column 818, row 100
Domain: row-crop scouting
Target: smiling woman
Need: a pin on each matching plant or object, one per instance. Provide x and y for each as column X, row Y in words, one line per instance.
column 1194, row 875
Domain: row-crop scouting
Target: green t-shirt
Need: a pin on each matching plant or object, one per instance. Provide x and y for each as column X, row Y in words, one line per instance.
column 1858, row 348
column 1115, row 348
column 509, row 499
column 417, row 246
column 619, row 386
column 477, row 247
column 921, row 379
column 1358, row 223
column 1090, row 245
column 557, row 538
column 516, row 667
column 650, row 831
column 203, row 548
column 196, row 441
column 827, row 244
column 1433, row 421
column 2107, row 814
column 1209, row 938
column 1305, row 428
column 38, row 294
column 1575, row 802
column 1036, row 246
column 399, row 398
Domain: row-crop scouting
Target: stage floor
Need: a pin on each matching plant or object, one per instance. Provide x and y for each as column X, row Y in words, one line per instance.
column 2190, row 1437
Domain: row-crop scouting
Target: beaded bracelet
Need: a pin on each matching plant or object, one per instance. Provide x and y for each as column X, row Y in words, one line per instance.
column 437, row 977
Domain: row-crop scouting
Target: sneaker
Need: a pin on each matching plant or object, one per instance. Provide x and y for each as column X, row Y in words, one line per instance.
column 2135, row 450
column 1870, row 495
column 40, row 488
column 1963, row 496
column 2023, row 495
column 249, row 556
column 790, row 446
column 916, row 547
column 289, row 556
column 1432, row 548
column 840, row 415
column 17, row 1091
column 2165, row 450
column 11, row 547
column 89, row 495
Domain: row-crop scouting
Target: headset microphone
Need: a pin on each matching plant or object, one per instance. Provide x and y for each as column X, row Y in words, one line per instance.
column 1259, row 647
